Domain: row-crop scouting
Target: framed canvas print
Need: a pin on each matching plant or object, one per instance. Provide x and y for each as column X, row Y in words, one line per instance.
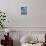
column 24, row 10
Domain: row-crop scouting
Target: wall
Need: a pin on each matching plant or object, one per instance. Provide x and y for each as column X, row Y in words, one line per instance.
column 34, row 21
column 36, row 18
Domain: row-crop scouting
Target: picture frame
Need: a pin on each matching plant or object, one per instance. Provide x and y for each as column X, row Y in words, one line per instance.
column 24, row 10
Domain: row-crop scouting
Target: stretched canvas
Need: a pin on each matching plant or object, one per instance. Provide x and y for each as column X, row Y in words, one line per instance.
column 23, row 10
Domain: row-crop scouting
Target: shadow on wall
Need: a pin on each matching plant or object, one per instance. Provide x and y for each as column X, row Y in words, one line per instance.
column 16, row 43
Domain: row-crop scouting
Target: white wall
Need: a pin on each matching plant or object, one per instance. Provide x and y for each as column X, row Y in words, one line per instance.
column 36, row 18
column 39, row 13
